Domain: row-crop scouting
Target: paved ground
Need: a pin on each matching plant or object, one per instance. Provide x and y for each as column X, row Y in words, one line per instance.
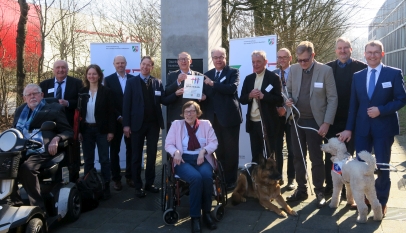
column 126, row 213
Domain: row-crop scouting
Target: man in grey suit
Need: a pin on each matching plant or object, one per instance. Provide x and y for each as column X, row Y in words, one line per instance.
column 174, row 84
column 116, row 82
column 312, row 89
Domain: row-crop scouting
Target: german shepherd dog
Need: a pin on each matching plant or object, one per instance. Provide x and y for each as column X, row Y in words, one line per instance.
column 262, row 182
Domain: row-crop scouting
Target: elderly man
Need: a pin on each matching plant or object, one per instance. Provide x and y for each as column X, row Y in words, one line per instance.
column 224, row 112
column 377, row 93
column 28, row 119
column 312, row 89
column 262, row 92
column 284, row 58
column 117, row 82
column 174, row 84
column 142, row 119
column 64, row 88
column 343, row 69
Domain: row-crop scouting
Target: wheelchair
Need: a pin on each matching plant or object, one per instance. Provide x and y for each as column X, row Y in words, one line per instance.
column 174, row 188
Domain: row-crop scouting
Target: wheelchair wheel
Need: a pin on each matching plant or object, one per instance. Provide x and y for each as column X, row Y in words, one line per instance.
column 170, row 217
column 164, row 188
column 222, row 183
column 218, row 212
column 74, row 205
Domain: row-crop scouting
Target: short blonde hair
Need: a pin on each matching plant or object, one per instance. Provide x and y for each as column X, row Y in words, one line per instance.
column 375, row 43
column 305, row 46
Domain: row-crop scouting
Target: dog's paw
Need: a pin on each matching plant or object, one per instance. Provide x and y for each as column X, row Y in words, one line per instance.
column 378, row 218
column 332, row 205
column 243, row 199
column 283, row 214
column 361, row 219
column 293, row 213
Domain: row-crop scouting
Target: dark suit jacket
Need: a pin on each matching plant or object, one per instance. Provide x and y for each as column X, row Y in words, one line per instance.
column 388, row 100
column 222, row 98
column 113, row 83
column 73, row 85
column 50, row 112
column 271, row 99
column 103, row 112
column 175, row 109
column 133, row 103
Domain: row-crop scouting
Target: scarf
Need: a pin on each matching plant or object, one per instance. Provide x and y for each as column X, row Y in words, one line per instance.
column 23, row 125
column 193, row 143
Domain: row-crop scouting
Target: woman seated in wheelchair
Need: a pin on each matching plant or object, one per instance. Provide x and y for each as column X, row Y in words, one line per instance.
column 191, row 142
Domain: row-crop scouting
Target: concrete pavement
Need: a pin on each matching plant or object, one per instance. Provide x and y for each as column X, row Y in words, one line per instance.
column 126, row 213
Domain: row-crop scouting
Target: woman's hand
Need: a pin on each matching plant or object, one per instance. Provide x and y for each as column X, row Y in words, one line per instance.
column 177, row 158
column 110, row 137
column 200, row 158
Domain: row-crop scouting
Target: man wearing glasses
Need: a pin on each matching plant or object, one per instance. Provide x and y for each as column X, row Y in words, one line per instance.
column 312, row 90
column 223, row 110
column 284, row 58
column 174, row 84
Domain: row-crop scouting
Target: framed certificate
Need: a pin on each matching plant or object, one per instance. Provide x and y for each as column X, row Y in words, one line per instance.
column 193, row 87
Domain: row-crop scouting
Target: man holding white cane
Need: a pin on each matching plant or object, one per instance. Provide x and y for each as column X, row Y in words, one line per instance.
column 313, row 93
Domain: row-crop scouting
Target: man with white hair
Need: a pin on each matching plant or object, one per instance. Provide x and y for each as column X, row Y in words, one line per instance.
column 224, row 112
column 262, row 92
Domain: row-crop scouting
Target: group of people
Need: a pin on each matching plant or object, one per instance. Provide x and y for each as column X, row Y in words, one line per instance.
column 363, row 116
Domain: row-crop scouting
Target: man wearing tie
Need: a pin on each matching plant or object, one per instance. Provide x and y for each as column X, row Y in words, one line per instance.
column 284, row 57
column 377, row 93
column 174, row 84
column 116, row 82
column 224, row 112
column 64, row 88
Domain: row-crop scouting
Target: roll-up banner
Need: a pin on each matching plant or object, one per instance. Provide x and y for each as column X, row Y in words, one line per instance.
column 240, row 58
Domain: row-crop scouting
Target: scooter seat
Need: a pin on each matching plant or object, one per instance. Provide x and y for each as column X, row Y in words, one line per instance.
column 49, row 169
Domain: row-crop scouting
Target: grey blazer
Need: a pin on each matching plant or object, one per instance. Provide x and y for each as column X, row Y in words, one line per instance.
column 323, row 95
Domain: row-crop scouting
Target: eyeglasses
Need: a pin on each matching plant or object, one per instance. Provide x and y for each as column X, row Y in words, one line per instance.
column 190, row 112
column 284, row 57
column 32, row 94
column 304, row 60
column 373, row 53
column 183, row 59
column 215, row 58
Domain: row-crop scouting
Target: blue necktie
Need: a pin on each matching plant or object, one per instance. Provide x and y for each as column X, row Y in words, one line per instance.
column 59, row 90
column 371, row 86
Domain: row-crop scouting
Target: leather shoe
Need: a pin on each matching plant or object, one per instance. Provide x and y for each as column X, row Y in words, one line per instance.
column 196, row 225
column 208, row 221
column 152, row 188
column 117, row 185
column 140, row 193
column 321, row 200
column 130, row 183
column 297, row 196
column 291, row 184
column 384, row 210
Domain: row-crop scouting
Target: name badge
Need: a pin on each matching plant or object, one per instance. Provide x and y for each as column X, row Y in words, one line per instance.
column 51, row 90
column 386, row 84
column 268, row 88
column 224, row 78
column 158, row 93
column 318, row 85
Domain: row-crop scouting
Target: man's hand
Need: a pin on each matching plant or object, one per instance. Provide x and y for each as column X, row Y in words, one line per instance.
column 324, row 129
column 373, row 112
column 181, row 77
column 208, row 81
column 127, row 131
column 63, row 102
column 281, row 111
column 179, row 92
column 200, row 158
column 203, row 98
column 289, row 102
column 110, row 137
column 177, row 158
column 344, row 136
column 255, row 93
column 53, row 146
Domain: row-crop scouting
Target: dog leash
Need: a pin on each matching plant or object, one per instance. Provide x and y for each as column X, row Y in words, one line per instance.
column 389, row 167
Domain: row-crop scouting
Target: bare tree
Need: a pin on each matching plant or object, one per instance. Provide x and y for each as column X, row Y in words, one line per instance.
column 20, row 43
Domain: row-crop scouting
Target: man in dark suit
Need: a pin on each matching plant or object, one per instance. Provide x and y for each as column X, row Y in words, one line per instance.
column 377, row 93
column 28, row 119
column 224, row 112
column 343, row 69
column 174, row 84
column 284, row 57
column 64, row 88
column 117, row 82
column 142, row 118
column 261, row 89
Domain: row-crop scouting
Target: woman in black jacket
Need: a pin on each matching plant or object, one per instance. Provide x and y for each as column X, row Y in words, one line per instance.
column 97, row 124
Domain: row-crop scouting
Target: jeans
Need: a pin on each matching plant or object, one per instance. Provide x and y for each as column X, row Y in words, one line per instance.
column 200, row 179
column 91, row 137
